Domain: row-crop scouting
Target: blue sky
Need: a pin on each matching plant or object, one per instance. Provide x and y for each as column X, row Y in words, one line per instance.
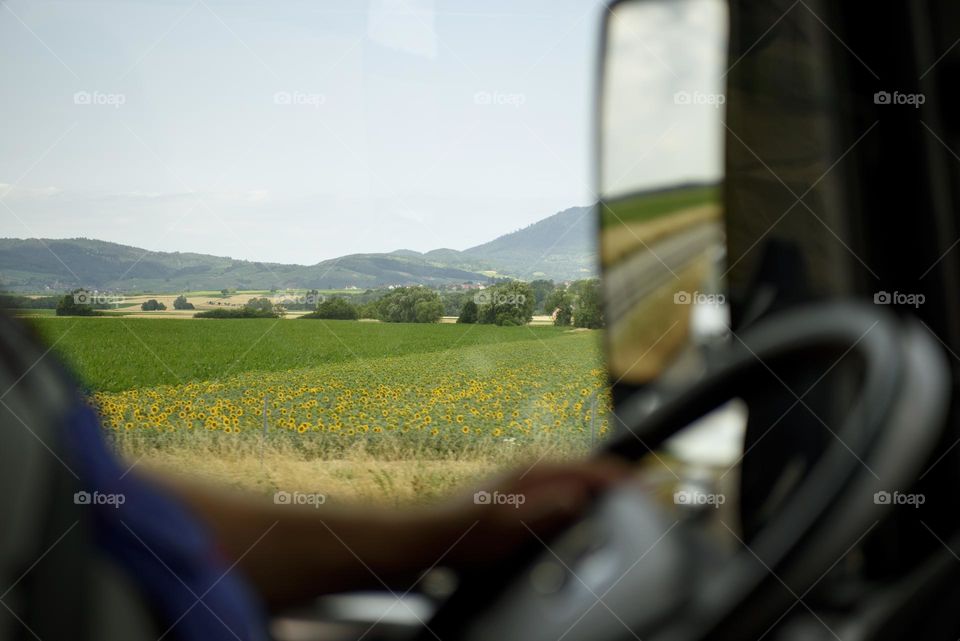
column 293, row 131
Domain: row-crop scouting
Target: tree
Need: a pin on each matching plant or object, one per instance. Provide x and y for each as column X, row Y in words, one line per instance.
column 368, row 310
column 335, row 309
column 428, row 310
column 555, row 299
column 75, row 304
column 11, row 301
column 410, row 305
column 468, row 313
column 265, row 306
column 255, row 308
column 589, row 309
column 509, row 303
column 563, row 311
column 180, row 302
column 306, row 302
column 453, row 302
column 313, row 299
column 541, row 290
column 152, row 305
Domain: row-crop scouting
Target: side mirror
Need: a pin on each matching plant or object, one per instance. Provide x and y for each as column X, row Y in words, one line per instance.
column 661, row 168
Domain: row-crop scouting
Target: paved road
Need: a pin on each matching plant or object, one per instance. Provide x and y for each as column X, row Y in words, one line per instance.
column 636, row 277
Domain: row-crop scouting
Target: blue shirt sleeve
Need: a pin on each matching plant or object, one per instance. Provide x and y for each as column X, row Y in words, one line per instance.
column 165, row 550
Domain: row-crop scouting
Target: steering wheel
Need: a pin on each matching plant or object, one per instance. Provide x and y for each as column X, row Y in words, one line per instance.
column 630, row 569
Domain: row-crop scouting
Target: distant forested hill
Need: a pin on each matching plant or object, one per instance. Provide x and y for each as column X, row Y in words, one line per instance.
column 561, row 247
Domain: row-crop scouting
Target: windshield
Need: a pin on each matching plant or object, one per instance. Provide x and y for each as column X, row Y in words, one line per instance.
column 341, row 249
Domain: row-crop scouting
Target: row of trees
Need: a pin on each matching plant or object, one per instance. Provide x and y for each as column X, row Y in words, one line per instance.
column 79, row 302
column 506, row 303
column 453, row 301
column 180, row 302
column 254, row 308
column 514, row 303
column 15, row 301
column 399, row 305
column 510, row 303
column 580, row 304
column 409, row 305
column 152, row 305
column 335, row 309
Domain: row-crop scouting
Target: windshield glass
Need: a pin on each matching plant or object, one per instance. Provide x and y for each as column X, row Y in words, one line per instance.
column 344, row 248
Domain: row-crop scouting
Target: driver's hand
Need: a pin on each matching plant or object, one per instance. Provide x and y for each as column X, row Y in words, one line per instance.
column 516, row 509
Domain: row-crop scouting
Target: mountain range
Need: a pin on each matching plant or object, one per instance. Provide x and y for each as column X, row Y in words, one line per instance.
column 560, row 247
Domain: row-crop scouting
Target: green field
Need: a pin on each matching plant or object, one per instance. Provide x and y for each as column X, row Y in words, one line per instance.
column 32, row 312
column 111, row 354
column 644, row 207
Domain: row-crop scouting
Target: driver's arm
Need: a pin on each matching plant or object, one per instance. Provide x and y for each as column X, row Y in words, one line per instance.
column 293, row 553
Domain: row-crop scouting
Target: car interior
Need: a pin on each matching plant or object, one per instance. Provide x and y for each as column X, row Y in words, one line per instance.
column 816, row 334
column 782, row 340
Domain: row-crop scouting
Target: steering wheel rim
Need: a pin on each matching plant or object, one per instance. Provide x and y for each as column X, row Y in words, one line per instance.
column 839, row 328
column 891, row 358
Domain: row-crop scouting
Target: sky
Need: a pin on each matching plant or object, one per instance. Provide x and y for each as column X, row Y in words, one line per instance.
column 663, row 97
column 294, row 131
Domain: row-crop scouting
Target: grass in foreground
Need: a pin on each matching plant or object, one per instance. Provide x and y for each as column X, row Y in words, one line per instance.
column 356, row 477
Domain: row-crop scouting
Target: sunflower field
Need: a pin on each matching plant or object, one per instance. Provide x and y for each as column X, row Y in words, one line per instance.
column 498, row 387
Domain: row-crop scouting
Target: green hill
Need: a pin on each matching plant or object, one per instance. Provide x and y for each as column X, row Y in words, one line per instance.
column 561, row 247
